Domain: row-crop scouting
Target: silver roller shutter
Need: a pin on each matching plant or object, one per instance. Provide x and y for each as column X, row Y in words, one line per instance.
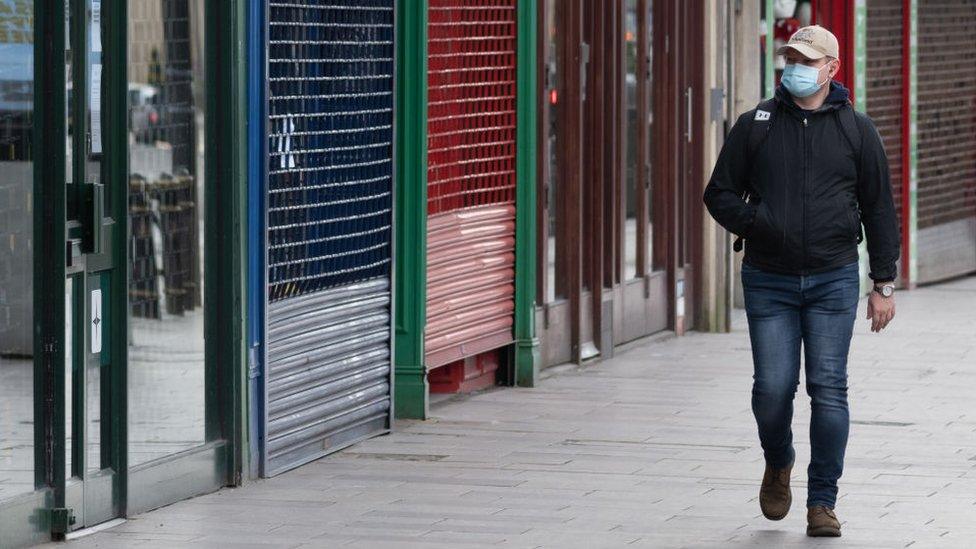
column 328, row 371
column 329, row 228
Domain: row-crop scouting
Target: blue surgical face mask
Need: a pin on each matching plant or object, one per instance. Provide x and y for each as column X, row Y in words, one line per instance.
column 801, row 80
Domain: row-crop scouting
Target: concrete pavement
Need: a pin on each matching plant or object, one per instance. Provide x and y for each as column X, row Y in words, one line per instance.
column 654, row 448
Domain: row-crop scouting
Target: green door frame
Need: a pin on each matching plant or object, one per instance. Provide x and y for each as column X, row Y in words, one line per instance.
column 226, row 215
column 222, row 460
column 102, row 242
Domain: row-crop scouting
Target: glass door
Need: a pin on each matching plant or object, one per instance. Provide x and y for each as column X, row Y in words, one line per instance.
column 113, row 225
column 641, row 300
column 691, row 101
column 176, row 322
column 560, row 167
column 553, row 268
column 60, row 454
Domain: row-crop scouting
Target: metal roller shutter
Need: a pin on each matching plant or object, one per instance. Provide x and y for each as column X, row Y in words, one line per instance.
column 946, row 139
column 329, row 199
column 884, row 83
column 471, row 178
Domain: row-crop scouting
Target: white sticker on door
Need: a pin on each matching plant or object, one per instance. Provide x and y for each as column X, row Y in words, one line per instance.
column 96, row 321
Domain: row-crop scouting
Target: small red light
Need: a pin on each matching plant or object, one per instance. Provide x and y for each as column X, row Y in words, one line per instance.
column 153, row 117
column 553, row 97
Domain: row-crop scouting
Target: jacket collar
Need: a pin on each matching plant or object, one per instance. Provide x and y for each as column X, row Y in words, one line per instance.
column 838, row 97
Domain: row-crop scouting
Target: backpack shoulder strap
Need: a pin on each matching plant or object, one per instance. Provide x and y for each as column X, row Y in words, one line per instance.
column 758, row 130
column 852, row 132
column 850, row 128
column 761, row 122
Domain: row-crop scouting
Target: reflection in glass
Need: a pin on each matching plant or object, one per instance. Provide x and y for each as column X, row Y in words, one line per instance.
column 166, row 324
column 555, row 287
column 634, row 126
column 16, row 252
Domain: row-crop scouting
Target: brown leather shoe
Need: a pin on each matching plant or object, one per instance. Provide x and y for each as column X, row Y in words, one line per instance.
column 775, row 496
column 822, row 522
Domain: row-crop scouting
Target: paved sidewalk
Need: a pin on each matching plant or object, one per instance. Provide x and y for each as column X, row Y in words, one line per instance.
column 655, row 448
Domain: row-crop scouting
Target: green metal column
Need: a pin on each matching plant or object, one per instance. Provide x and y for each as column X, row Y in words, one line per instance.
column 527, row 345
column 410, row 394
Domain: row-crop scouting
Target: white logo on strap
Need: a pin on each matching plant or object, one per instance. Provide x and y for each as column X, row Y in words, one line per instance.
column 762, row 115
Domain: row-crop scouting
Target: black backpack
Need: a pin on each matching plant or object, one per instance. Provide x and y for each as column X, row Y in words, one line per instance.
column 763, row 121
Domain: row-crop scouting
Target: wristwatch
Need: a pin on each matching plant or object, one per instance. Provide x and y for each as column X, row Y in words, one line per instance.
column 886, row 289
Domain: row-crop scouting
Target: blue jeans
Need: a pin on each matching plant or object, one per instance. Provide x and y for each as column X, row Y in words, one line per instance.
column 817, row 310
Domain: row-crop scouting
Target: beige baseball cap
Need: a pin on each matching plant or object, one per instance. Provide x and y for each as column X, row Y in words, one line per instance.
column 814, row 42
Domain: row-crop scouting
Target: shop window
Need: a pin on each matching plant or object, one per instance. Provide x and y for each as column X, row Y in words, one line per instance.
column 166, row 372
column 16, row 251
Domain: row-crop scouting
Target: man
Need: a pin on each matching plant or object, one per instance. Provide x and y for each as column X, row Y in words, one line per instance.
column 796, row 179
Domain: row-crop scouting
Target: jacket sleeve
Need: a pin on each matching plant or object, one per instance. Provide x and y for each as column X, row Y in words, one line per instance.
column 876, row 204
column 723, row 194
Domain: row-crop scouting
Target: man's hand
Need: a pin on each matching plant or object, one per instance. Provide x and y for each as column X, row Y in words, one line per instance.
column 881, row 310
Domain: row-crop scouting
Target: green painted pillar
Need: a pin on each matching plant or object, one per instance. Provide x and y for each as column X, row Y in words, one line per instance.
column 526, row 342
column 410, row 394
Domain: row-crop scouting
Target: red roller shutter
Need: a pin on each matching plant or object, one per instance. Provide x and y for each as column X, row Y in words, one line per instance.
column 946, row 139
column 471, row 178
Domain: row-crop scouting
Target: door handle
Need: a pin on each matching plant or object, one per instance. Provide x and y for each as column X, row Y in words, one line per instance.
column 584, row 61
column 94, row 212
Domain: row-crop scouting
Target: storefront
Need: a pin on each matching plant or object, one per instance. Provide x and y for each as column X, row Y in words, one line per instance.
column 879, row 65
column 914, row 83
column 620, row 174
column 946, row 156
column 465, row 214
column 471, row 180
column 323, row 176
column 889, row 87
column 125, row 236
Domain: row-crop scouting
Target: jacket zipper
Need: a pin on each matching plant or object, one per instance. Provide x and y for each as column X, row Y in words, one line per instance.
column 803, row 202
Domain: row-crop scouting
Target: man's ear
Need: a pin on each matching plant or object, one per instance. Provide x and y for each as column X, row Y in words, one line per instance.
column 835, row 68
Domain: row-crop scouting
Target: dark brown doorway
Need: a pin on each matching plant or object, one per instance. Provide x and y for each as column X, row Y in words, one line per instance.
column 619, row 211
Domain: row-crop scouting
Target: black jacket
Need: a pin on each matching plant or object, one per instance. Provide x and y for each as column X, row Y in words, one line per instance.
column 808, row 196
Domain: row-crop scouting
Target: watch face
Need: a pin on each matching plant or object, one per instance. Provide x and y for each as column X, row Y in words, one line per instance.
column 887, row 291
